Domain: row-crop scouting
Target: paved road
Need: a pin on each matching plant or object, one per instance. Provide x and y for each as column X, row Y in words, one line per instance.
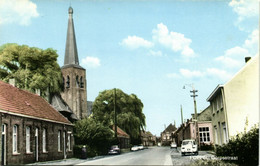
column 151, row 156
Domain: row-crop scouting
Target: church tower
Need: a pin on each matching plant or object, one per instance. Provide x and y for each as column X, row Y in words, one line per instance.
column 74, row 76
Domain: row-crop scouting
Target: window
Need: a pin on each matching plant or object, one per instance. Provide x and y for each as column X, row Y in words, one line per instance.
column 28, row 135
column 225, row 140
column 59, row 140
column 204, row 134
column 44, row 140
column 15, row 135
column 69, row 141
column 216, row 134
column 77, row 81
column 68, row 82
column 81, row 82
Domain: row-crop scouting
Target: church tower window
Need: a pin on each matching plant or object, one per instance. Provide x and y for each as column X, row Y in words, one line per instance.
column 68, row 82
column 77, row 81
column 81, row 82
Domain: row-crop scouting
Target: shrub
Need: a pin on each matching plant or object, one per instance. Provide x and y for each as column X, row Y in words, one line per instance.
column 78, row 151
column 206, row 147
column 211, row 163
column 244, row 146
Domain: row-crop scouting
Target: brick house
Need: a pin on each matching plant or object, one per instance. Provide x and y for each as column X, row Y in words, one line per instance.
column 167, row 134
column 187, row 130
column 32, row 130
column 122, row 136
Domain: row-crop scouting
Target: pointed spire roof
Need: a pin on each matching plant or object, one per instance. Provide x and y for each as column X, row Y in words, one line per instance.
column 71, row 53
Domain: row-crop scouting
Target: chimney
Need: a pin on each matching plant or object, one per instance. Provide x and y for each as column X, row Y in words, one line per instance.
column 12, row 82
column 247, row 59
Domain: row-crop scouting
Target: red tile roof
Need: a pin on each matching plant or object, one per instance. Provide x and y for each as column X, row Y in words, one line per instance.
column 24, row 103
column 120, row 132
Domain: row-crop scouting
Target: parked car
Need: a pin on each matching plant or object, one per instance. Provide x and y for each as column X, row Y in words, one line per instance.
column 114, row 150
column 189, row 146
column 135, row 148
column 141, row 147
column 173, row 145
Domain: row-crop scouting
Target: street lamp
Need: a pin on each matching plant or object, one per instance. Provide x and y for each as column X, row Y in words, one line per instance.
column 193, row 91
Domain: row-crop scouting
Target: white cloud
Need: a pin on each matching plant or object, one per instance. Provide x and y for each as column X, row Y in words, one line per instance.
column 245, row 8
column 155, row 53
column 228, row 62
column 222, row 74
column 172, row 75
column 173, row 40
column 191, row 74
column 234, row 57
column 91, row 62
column 247, row 12
column 17, row 11
column 252, row 42
column 208, row 72
column 134, row 42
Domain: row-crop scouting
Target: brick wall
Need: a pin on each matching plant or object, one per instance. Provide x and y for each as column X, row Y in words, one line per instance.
column 22, row 157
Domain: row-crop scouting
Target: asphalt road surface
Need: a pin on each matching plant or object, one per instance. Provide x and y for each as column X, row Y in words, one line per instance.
column 151, row 156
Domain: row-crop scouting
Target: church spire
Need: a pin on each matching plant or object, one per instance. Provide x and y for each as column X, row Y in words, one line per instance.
column 71, row 52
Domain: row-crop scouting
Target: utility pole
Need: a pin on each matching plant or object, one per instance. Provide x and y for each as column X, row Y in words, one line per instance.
column 115, row 113
column 181, row 116
column 182, row 124
column 193, row 91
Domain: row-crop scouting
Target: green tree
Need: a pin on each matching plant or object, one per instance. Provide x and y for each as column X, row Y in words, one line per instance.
column 32, row 68
column 94, row 134
column 129, row 111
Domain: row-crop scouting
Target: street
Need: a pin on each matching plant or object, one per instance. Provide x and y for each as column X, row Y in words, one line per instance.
column 151, row 156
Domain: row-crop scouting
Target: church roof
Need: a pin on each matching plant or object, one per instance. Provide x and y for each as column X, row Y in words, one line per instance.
column 23, row 103
column 71, row 52
column 60, row 105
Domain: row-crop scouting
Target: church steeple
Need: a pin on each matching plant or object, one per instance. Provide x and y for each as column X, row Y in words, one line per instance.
column 74, row 76
column 71, row 52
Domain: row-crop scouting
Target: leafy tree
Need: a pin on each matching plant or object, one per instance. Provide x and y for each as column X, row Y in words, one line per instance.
column 129, row 108
column 32, row 68
column 94, row 134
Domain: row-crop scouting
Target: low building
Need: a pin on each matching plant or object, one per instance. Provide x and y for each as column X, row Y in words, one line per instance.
column 32, row 130
column 188, row 129
column 123, row 138
column 235, row 105
column 167, row 135
column 148, row 139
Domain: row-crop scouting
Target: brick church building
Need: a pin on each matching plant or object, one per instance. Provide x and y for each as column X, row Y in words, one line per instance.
column 74, row 76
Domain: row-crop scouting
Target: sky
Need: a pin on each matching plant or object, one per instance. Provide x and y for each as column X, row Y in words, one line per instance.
column 151, row 48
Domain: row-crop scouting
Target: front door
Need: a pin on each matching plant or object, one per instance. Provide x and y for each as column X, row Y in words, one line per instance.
column 3, row 144
column 36, row 144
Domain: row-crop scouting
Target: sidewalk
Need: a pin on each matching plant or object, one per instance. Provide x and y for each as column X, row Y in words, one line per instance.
column 70, row 161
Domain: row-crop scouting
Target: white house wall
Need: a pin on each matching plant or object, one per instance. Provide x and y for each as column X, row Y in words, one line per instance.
column 242, row 98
